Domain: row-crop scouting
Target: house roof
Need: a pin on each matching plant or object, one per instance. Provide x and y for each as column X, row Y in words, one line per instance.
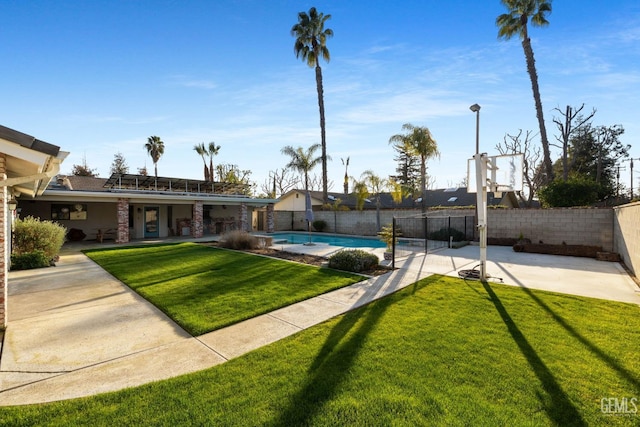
column 30, row 162
column 454, row 197
column 28, row 141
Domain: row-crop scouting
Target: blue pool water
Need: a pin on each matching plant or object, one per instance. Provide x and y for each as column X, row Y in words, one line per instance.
column 344, row 241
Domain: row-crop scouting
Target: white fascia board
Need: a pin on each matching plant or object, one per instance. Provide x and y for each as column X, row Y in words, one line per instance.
column 101, row 196
column 24, row 153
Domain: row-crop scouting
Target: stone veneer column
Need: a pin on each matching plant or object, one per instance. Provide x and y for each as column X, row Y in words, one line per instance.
column 123, row 221
column 197, row 225
column 244, row 223
column 4, row 256
column 270, row 219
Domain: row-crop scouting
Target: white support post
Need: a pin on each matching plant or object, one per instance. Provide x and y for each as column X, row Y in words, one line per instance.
column 481, row 203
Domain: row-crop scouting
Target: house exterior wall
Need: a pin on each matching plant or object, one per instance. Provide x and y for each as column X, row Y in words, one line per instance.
column 586, row 226
column 294, row 202
column 626, row 231
column 99, row 216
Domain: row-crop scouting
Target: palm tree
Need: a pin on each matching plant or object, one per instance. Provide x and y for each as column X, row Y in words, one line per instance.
column 155, row 148
column 361, row 192
column 515, row 22
column 202, row 151
column 310, row 46
column 212, row 150
column 302, row 161
column 375, row 186
column 418, row 141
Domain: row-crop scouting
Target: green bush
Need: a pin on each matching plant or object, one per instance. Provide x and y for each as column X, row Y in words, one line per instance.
column 27, row 261
column 444, row 233
column 576, row 191
column 319, row 225
column 355, row 260
column 239, row 240
column 31, row 234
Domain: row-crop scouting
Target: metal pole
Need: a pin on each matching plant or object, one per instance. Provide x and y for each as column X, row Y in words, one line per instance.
column 631, row 179
column 393, row 243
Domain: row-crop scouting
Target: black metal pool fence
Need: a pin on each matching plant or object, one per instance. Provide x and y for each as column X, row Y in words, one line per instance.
column 421, row 233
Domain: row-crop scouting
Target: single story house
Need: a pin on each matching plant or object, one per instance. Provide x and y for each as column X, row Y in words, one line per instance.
column 126, row 206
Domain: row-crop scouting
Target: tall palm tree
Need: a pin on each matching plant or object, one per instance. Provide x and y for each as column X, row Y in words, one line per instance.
column 311, row 46
column 419, row 142
column 212, row 150
column 515, row 22
column 155, row 148
column 302, row 160
column 202, row 151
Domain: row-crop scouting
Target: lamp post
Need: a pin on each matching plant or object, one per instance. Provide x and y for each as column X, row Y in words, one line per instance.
column 481, row 197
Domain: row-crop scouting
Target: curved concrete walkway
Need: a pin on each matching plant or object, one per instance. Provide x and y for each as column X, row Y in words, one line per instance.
column 74, row 330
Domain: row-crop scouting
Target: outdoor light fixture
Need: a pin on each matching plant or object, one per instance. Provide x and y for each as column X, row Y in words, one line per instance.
column 12, row 204
column 476, row 109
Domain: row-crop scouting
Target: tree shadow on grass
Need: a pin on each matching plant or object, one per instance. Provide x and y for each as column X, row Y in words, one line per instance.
column 332, row 363
column 601, row 354
column 557, row 404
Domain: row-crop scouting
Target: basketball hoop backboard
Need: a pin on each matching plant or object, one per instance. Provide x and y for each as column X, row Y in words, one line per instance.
column 504, row 173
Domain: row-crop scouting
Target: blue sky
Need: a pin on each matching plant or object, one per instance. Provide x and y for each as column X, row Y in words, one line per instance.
column 99, row 77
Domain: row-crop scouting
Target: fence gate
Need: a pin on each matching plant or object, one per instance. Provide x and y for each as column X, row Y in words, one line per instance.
column 422, row 233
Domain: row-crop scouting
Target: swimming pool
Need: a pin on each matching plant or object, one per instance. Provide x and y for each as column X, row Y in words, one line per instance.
column 344, row 241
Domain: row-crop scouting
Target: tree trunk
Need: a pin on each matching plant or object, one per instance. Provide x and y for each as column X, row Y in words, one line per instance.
column 323, row 137
column 531, row 69
column 211, row 170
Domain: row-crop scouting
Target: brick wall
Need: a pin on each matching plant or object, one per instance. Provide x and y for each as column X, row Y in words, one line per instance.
column 123, row 221
column 626, row 231
column 197, row 225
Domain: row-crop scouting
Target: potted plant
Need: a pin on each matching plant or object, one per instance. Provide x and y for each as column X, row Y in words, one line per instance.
column 386, row 235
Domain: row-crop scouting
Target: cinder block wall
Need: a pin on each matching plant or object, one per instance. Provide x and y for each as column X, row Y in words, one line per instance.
column 355, row 222
column 573, row 226
column 626, row 231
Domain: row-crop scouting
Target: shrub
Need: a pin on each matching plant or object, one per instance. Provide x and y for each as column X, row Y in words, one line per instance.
column 31, row 235
column 239, row 240
column 444, row 233
column 27, row 261
column 355, row 260
column 320, row 225
column 576, row 191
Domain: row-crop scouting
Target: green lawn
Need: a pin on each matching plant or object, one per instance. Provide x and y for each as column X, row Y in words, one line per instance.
column 440, row 352
column 204, row 288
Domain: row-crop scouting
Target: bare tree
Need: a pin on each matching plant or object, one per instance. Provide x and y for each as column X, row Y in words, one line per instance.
column 279, row 182
column 315, row 183
column 570, row 121
column 531, row 167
